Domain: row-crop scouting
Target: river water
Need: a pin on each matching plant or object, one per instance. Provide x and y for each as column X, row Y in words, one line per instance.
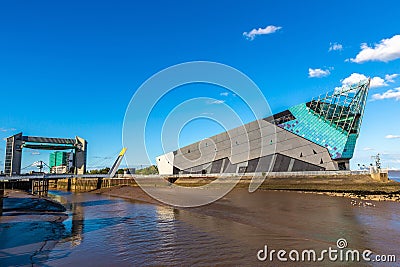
column 105, row 231
column 394, row 175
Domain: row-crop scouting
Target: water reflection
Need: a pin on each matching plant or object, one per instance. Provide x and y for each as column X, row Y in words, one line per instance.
column 2, row 186
column 166, row 213
column 77, row 224
column 108, row 231
column 1, row 204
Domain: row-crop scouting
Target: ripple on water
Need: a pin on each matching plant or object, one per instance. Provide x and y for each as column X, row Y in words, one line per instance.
column 107, row 231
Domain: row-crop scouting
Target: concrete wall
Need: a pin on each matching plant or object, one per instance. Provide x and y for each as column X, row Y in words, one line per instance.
column 80, row 156
column 12, row 163
column 165, row 163
column 89, row 184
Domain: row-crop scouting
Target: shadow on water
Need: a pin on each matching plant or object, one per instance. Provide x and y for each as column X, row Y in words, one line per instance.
column 95, row 203
column 1, row 205
column 15, row 234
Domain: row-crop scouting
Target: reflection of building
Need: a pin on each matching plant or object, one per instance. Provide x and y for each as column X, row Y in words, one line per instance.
column 165, row 213
column 17, row 142
column 317, row 135
column 78, row 224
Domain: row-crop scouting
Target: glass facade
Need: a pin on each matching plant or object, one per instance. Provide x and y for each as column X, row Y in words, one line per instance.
column 332, row 120
column 58, row 158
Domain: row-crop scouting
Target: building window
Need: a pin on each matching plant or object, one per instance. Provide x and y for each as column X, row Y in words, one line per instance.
column 342, row 166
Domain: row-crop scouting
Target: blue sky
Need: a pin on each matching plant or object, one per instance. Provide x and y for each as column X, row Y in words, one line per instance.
column 71, row 68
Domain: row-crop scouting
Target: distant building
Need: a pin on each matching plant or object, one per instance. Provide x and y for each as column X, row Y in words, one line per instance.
column 130, row 171
column 16, row 143
column 61, row 162
column 317, row 135
column 59, row 169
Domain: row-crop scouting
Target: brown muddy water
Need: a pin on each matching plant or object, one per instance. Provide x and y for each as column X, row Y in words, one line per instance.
column 104, row 231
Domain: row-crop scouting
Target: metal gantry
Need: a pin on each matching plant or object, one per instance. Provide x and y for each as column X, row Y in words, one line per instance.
column 344, row 107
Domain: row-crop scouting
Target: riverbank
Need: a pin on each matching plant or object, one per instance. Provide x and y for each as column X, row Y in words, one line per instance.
column 133, row 193
column 335, row 182
column 361, row 187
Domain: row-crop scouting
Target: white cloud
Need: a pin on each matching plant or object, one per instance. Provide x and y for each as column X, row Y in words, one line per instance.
column 224, row 94
column 260, row 31
column 389, row 94
column 317, row 73
column 355, row 78
column 216, row 101
column 387, row 50
column 390, row 77
column 335, row 47
column 377, row 82
column 7, row 130
column 368, row 149
column 391, row 136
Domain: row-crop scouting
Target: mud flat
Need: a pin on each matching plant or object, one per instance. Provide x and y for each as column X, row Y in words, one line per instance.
column 350, row 186
column 16, row 201
column 134, row 193
column 292, row 219
column 27, row 225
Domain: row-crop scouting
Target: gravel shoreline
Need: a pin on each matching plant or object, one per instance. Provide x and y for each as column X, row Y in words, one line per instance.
column 395, row 196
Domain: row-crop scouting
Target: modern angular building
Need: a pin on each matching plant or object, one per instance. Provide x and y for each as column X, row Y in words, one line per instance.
column 319, row 135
